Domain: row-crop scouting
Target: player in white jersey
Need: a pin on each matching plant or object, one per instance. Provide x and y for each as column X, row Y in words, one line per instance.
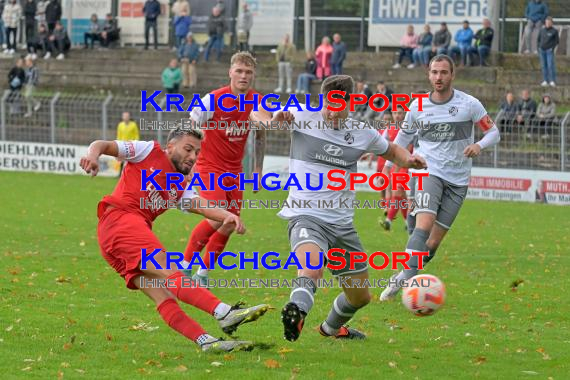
column 448, row 146
column 314, row 152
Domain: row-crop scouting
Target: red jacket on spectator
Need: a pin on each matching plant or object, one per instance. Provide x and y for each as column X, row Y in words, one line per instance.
column 323, row 55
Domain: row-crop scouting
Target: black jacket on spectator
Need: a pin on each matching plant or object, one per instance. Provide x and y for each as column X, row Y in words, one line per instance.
column 442, row 38
column 30, row 12
column 379, row 102
column 216, row 25
column 548, row 38
column 527, row 108
column 151, row 10
column 311, row 66
column 484, row 37
column 53, row 12
column 509, row 110
column 16, row 72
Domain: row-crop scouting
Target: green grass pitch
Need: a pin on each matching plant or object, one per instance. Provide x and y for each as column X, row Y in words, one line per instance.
column 64, row 313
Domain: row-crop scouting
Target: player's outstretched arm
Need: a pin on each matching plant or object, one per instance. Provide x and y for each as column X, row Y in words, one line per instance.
column 90, row 162
column 490, row 138
column 217, row 214
column 403, row 158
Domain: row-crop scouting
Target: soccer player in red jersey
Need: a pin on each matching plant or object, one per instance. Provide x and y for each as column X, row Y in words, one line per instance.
column 125, row 229
column 223, row 151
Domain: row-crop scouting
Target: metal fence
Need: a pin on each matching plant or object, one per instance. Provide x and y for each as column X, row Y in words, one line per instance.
column 67, row 119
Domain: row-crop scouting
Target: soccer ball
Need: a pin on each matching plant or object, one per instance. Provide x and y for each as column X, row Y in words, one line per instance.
column 424, row 295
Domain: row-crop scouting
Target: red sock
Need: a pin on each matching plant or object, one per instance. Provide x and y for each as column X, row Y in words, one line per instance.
column 174, row 317
column 216, row 244
column 199, row 238
column 393, row 209
column 198, row 297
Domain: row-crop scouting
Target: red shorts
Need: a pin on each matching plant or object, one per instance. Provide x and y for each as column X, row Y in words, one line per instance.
column 219, row 194
column 122, row 235
column 400, row 170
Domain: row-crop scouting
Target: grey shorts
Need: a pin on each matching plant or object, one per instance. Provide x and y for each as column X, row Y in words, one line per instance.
column 308, row 229
column 440, row 198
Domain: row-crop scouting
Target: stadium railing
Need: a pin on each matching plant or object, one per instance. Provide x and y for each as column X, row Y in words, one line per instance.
column 78, row 120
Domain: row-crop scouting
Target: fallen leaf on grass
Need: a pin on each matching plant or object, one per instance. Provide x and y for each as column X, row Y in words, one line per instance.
column 62, row 279
column 229, row 357
column 515, row 284
column 108, row 336
column 216, row 364
column 480, row 360
column 181, row 368
column 392, row 364
column 284, row 350
column 272, row 363
column 530, row 372
column 144, row 327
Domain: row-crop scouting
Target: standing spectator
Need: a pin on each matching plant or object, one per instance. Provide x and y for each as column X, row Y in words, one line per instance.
column 188, row 54
column 53, row 14
column 16, row 79
column 178, row 8
column 441, row 40
column 463, row 37
column 2, row 31
column 41, row 12
column 421, row 53
column 216, row 29
column 284, row 56
column 360, row 109
column 483, row 42
column 509, row 110
column 39, row 42
column 545, row 115
column 181, row 27
column 172, row 77
column 151, row 12
column 310, row 74
column 548, row 39
column 381, row 88
column 535, row 13
column 243, row 27
column 526, row 109
column 323, row 55
column 127, row 130
column 110, row 31
column 93, row 33
column 338, row 55
column 408, row 43
column 30, row 17
column 32, row 80
column 11, row 16
column 59, row 41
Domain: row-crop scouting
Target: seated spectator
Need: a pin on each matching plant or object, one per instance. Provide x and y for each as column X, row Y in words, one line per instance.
column 526, row 109
column 441, row 40
column 360, row 109
column 110, row 32
column 310, row 74
column 408, row 43
column 483, row 43
column 463, row 37
column 39, row 42
column 16, row 79
column 188, row 55
column 535, row 14
column 323, row 56
column 545, row 114
column 509, row 110
column 94, row 33
column 59, row 41
column 421, row 53
column 172, row 77
column 381, row 88
column 181, row 27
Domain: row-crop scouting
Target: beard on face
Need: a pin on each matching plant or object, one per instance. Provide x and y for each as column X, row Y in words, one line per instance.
column 178, row 163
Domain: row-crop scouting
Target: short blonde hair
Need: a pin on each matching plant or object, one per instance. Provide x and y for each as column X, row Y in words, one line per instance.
column 245, row 58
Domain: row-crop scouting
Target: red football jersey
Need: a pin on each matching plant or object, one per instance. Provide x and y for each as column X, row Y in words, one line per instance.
column 127, row 195
column 223, row 147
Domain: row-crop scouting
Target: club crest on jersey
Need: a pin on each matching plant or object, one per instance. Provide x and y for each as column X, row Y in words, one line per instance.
column 172, row 193
column 333, row 150
column 453, row 110
column 349, row 138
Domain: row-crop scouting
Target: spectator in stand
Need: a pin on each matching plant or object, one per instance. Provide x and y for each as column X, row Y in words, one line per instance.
column 323, row 56
column 30, row 17
column 381, row 88
column 216, row 29
column 526, row 109
column 441, row 40
column 39, row 42
column 127, row 130
column 463, row 37
column 59, row 41
column 360, row 109
column 420, row 54
column 93, row 33
column 2, row 31
column 151, row 10
column 338, row 55
column 408, row 43
column 11, row 16
column 243, row 27
column 548, row 39
column 545, row 114
column 16, row 79
column 53, row 14
column 310, row 74
column 32, row 80
column 181, row 27
column 483, row 43
column 509, row 109
column 284, row 56
column 188, row 54
column 172, row 77
column 179, row 6
column 41, row 12
column 110, row 31
column 535, row 13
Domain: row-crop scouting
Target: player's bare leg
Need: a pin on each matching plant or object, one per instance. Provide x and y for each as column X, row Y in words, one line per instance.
column 229, row 317
column 302, row 297
column 356, row 295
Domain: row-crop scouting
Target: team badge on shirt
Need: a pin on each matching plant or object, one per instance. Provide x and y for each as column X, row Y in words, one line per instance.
column 453, row 110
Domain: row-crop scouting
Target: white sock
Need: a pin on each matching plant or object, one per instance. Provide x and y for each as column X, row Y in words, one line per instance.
column 185, row 264
column 329, row 330
column 202, row 272
column 221, row 310
column 205, row 338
